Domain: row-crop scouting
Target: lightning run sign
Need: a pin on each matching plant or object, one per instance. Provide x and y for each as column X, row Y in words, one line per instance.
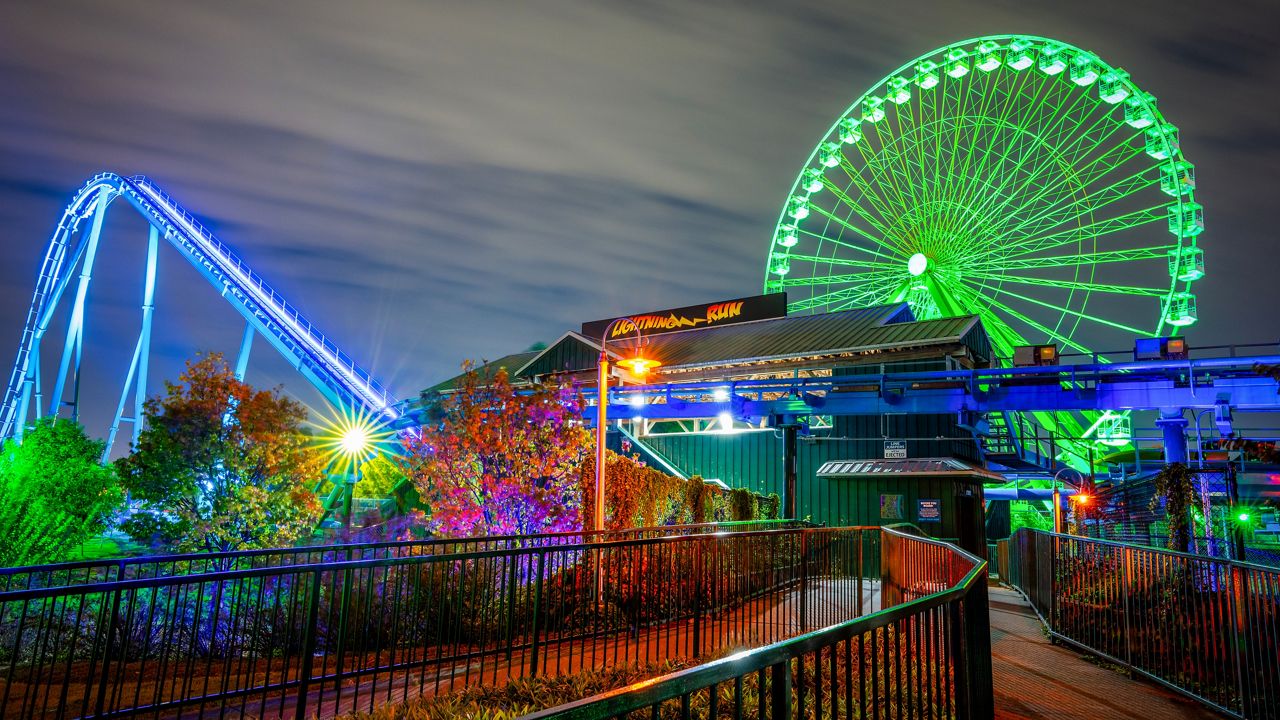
column 729, row 312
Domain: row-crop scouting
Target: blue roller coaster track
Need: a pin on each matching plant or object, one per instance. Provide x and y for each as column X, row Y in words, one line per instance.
column 338, row 378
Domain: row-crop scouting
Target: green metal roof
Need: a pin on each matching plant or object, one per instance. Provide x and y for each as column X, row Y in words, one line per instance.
column 881, row 327
column 888, row 327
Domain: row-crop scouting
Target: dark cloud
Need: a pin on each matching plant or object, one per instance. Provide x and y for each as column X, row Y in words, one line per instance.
column 430, row 181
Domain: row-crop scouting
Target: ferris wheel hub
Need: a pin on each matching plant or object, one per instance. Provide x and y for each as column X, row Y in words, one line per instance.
column 917, row 264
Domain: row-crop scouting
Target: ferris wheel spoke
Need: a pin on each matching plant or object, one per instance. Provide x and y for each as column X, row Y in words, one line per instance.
column 898, row 201
column 1038, row 326
column 829, row 298
column 975, row 175
column 878, row 242
column 849, row 262
column 1060, row 167
column 1073, row 285
column 1059, row 213
column 905, row 184
column 1052, row 193
column 857, row 208
column 866, row 187
column 1068, row 311
column 894, row 261
column 1012, row 262
column 1042, row 156
column 1091, row 230
column 1016, row 126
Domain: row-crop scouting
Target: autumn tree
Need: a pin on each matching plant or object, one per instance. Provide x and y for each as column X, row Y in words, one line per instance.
column 55, row 493
column 494, row 459
column 221, row 465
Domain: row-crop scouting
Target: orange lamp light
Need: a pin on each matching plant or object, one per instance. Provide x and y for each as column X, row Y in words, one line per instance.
column 639, row 366
column 1083, row 499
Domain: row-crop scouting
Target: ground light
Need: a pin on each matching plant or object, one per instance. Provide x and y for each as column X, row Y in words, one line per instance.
column 355, row 441
column 350, row 439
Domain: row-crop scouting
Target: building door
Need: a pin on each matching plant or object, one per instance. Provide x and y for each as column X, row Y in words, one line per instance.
column 971, row 534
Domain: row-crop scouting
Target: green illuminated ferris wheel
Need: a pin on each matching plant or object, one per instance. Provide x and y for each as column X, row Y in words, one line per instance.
column 1015, row 177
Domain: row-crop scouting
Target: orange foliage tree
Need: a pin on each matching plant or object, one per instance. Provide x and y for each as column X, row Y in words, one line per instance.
column 221, row 465
column 494, row 459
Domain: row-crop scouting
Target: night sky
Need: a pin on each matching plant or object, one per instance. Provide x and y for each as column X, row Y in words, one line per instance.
column 435, row 181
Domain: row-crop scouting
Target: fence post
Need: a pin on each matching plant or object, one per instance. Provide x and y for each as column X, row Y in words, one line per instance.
column 697, row 598
column 960, row 672
column 1126, row 583
column 513, row 561
column 858, row 546
column 106, row 652
column 1239, row 593
column 308, row 646
column 977, row 648
column 537, row 611
column 780, row 691
column 804, row 581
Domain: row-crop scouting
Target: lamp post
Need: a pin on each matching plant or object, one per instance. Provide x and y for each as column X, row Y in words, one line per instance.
column 639, row 366
column 1057, row 498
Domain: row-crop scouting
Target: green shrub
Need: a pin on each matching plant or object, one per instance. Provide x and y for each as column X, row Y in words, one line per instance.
column 520, row 696
column 56, row 493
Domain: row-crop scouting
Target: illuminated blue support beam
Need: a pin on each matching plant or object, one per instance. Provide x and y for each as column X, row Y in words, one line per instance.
column 148, row 309
column 246, row 345
column 334, row 374
column 74, row 343
column 1202, row 384
column 31, row 380
column 1174, row 428
column 141, row 351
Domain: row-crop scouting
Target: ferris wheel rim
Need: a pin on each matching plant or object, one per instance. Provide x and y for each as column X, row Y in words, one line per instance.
column 906, row 72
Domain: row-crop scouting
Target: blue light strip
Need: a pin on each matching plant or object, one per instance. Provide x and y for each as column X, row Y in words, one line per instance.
column 1155, row 385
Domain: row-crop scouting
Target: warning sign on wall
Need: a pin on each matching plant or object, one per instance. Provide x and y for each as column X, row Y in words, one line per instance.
column 895, row 449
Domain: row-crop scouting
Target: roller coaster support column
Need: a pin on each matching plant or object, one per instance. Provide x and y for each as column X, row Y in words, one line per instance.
column 75, row 327
column 32, row 380
column 141, row 354
column 246, row 344
column 1174, row 426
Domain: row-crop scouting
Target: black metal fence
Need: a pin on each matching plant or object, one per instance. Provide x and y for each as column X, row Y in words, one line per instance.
column 926, row 653
column 1206, row 627
column 323, row 638
column 155, row 566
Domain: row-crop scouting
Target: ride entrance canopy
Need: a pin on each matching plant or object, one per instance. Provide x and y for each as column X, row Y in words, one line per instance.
column 1014, row 177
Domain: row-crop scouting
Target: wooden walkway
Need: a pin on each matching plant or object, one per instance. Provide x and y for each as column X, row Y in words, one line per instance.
column 1037, row 679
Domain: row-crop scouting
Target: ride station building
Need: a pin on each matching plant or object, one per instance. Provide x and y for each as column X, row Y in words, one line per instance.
column 924, row 469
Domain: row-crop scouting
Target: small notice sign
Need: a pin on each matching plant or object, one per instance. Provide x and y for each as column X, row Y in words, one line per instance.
column 928, row 510
column 891, row 507
column 895, row 449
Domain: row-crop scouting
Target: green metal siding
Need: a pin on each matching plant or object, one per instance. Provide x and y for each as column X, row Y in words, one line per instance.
column 568, row 355
column 753, row 460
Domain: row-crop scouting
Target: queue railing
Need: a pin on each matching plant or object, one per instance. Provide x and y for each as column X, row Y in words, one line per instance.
column 154, row 566
column 1205, row 627
column 924, row 653
column 322, row 639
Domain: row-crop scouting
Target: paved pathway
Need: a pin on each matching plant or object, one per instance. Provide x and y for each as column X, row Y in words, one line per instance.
column 1037, row 679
